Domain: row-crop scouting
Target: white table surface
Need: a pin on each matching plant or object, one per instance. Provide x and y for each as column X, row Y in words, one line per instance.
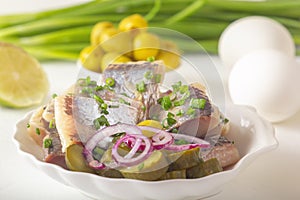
column 273, row 176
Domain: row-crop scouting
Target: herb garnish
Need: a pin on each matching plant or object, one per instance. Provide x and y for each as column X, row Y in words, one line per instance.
column 54, row 96
column 47, row 143
column 37, row 131
column 110, row 82
column 166, row 102
column 100, row 121
column 141, row 87
column 198, row 103
column 52, row 123
column 169, row 121
column 151, row 59
column 148, row 75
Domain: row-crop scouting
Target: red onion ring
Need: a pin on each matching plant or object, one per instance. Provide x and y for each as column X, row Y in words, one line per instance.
column 194, row 142
column 100, row 135
column 129, row 159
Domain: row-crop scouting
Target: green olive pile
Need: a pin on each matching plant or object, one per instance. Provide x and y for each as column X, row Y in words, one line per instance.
column 129, row 42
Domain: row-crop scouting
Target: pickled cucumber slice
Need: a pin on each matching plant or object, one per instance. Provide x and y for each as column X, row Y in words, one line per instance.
column 151, row 169
column 206, row 168
column 179, row 174
column 184, row 159
column 75, row 160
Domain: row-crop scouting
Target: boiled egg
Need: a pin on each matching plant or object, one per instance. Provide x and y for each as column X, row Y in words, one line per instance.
column 267, row 80
column 253, row 33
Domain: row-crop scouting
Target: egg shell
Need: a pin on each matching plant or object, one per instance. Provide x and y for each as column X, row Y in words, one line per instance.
column 253, row 33
column 268, row 80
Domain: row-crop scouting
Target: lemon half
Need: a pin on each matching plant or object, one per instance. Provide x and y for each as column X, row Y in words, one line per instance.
column 23, row 82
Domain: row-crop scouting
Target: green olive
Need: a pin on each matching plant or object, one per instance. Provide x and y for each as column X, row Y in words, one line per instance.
column 145, row 45
column 132, row 22
column 91, row 57
column 113, row 57
column 97, row 30
column 114, row 41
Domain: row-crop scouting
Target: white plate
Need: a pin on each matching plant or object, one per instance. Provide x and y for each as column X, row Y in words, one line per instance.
column 252, row 135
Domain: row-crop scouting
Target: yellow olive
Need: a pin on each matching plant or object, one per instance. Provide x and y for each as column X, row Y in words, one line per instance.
column 145, row 45
column 132, row 22
column 113, row 57
column 115, row 41
column 91, row 57
column 97, row 31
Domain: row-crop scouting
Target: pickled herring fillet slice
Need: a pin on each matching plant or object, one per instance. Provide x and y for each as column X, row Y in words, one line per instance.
column 225, row 151
column 137, row 80
column 86, row 110
column 63, row 110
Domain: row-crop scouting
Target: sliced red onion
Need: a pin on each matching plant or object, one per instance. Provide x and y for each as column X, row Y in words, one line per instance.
column 194, row 142
column 129, row 159
column 102, row 134
column 191, row 140
column 161, row 139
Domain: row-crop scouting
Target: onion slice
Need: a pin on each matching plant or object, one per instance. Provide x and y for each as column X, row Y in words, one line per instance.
column 194, row 142
column 101, row 135
column 132, row 158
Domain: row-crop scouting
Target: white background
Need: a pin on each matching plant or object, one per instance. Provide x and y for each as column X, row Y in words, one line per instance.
column 273, row 176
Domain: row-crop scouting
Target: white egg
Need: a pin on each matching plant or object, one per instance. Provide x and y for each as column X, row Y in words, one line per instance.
column 253, row 33
column 268, row 80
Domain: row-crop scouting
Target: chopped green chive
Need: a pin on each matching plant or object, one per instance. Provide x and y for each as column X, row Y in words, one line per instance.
column 113, row 106
column 47, row 143
column 170, row 115
column 166, row 103
column 180, row 113
column 179, row 102
column 198, row 103
column 226, row 120
column 141, row 87
column 183, row 89
column 143, row 108
column 151, row 59
column 100, row 121
column 110, row 82
column 52, row 123
column 54, row 95
column 99, row 88
column 98, row 99
column 191, row 111
column 37, row 131
column 103, row 106
column 176, row 86
column 181, row 142
column 148, row 75
column 121, row 100
column 157, row 78
column 174, row 130
column 28, row 125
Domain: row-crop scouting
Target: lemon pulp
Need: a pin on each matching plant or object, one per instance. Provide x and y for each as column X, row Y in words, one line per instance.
column 23, row 82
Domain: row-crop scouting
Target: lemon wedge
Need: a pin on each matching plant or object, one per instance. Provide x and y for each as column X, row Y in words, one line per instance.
column 23, row 81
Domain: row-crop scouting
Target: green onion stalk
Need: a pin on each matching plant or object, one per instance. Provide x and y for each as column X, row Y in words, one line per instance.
column 60, row 34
